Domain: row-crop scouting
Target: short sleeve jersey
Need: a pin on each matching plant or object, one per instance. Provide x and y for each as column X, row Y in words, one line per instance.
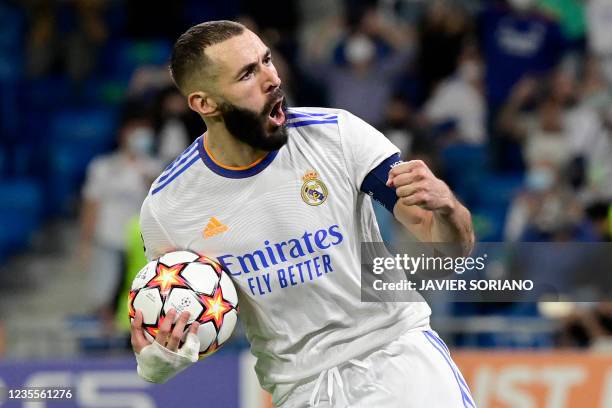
column 288, row 229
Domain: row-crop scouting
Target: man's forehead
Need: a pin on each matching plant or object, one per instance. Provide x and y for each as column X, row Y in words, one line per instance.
column 230, row 55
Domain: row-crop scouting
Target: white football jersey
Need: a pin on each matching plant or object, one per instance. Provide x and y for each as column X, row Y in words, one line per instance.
column 288, row 228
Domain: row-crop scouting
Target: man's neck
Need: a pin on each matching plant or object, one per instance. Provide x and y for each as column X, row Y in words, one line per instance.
column 227, row 151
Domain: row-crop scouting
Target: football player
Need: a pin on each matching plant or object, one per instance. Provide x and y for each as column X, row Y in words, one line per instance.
column 282, row 198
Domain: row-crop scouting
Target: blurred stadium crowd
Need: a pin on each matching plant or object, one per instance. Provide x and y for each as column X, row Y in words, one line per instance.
column 509, row 101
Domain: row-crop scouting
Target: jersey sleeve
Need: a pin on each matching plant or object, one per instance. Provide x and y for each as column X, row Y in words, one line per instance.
column 155, row 238
column 363, row 146
column 375, row 183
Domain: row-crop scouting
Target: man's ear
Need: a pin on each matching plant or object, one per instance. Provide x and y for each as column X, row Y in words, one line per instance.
column 202, row 103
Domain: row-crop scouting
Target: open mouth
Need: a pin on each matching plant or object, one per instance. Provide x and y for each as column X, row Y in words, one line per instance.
column 277, row 115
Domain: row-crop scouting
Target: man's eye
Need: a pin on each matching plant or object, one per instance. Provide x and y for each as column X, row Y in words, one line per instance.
column 247, row 75
column 267, row 60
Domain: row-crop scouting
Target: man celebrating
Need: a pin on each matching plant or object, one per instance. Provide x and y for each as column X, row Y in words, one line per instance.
column 280, row 197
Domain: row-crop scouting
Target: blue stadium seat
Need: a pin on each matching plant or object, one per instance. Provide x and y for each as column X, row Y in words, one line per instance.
column 77, row 136
column 463, row 156
column 492, row 201
column 67, row 167
column 464, row 167
column 499, row 190
column 17, row 229
column 23, row 159
column 2, row 162
column 29, row 154
column 46, row 94
column 489, row 223
column 88, row 128
column 21, row 209
column 99, row 92
column 34, row 127
column 42, row 125
column 23, row 195
column 136, row 53
column 121, row 58
column 11, row 41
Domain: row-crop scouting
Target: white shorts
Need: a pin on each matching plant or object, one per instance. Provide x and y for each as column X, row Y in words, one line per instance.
column 416, row 370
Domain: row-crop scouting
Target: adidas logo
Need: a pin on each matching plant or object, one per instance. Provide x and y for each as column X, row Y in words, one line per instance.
column 214, row 227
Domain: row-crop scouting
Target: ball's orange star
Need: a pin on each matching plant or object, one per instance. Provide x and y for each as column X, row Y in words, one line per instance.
column 216, row 308
column 152, row 331
column 131, row 296
column 166, row 277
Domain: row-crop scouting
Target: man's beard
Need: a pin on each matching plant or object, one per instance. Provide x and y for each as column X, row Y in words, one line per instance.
column 250, row 127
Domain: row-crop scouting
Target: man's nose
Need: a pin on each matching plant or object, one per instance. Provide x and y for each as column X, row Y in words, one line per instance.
column 273, row 81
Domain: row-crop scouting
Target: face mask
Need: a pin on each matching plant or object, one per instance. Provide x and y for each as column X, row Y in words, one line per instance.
column 359, row 49
column 540, row 179
column 140, row 141
column 521, row 5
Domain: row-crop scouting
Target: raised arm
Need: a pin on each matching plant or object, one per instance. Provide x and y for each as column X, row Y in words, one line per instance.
column 427, row 207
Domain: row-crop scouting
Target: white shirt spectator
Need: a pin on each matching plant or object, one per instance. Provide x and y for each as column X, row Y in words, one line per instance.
column 119, row 186
column 599, row 23
column 173, row 139
column 456, row 99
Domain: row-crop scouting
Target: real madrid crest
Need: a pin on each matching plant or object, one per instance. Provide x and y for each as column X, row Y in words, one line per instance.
column 314, row 191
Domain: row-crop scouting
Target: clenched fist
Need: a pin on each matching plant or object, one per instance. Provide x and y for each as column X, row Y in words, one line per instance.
column 415, row 184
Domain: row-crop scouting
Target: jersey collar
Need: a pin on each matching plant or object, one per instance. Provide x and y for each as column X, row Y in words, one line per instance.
column 233, row 172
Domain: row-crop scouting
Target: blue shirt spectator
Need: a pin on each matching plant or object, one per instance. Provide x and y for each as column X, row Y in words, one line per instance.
column 514, row 43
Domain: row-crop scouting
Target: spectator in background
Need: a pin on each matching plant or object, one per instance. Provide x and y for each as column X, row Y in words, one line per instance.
column 571, row 17
column 322, row 26
column 398, row 124
column 546, row 210
column 590, row 323
column 442, row 34
column 175, row 125
column 115, row 187
column 588, row 326
column 368, row 58
column 460, row 99
column 65, row 36
column 276, row 24
column 542, row 132
column 599, row 18
column 589, row 125
column 597, row 152
column 516, row 40
column 146, row 83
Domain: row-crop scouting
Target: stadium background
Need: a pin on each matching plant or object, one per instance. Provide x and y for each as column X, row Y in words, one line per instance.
column 512, row 107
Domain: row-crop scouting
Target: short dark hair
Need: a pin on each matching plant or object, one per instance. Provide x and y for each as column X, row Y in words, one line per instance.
column 188, row 55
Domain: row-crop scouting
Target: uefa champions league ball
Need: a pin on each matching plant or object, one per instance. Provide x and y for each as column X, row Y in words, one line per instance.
column 186, row 281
